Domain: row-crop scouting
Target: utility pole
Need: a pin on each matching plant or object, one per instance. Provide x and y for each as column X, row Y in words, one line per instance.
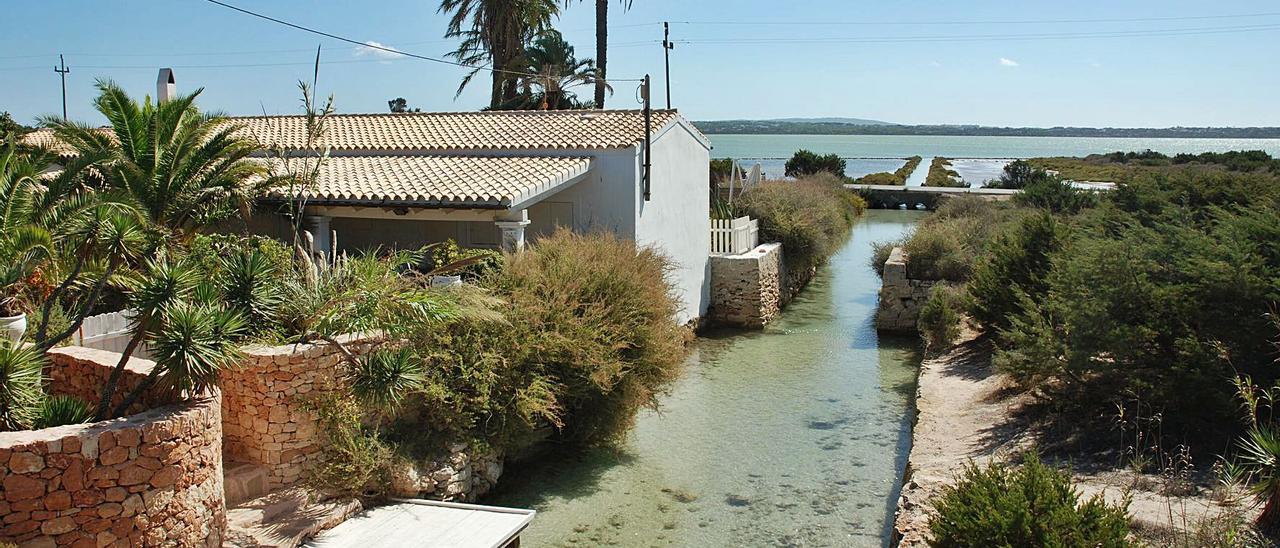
column 648, row 133
column 62, row 71
column 667, row 46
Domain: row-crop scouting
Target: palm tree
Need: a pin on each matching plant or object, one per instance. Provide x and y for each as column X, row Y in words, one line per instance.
column 602, row 46
column 183, row 169
column 494, row 32
column 557, row 69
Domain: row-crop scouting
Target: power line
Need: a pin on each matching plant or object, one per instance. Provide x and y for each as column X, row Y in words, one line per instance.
column 991, row 37
column 378, row 47
column 987, row 22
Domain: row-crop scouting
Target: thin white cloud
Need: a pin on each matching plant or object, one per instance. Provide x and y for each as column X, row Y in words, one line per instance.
column 374, row 49
column 936, row 64
column 1007, row 62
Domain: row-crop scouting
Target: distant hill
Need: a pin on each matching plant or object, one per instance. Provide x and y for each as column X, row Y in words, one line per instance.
column 800, row 126
column 835, row 120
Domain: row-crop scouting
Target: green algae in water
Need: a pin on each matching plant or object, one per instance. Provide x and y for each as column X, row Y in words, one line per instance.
column 791, row 436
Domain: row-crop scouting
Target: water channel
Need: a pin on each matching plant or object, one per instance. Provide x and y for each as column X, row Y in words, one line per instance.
column 792, row 436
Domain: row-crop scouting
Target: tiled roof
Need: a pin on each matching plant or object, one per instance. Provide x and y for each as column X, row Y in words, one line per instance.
column 447, row 131
column 44, row 138
column 461, row 131
column 441, row 181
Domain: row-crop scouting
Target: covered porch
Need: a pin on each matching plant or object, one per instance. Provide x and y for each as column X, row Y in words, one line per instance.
column 406, row 202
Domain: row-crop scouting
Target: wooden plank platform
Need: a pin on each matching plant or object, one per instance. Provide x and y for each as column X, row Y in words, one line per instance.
column 424, row 523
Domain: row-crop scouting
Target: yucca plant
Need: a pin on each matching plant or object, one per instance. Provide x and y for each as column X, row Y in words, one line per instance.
column 21, row 380
column 383, row 378
column 61, row 410
column 1260, row 458
column 251, row 286
column 191, row 344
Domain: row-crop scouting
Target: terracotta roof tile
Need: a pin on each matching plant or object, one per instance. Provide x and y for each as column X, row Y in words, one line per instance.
column 453, row 131
column 458, row 181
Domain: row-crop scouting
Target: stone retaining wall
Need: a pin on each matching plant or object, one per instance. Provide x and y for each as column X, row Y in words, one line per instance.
column 463, row 475
column 82, row 372
column 900, row 297
column 151, row 479
column 264, row 420
column 746, row 289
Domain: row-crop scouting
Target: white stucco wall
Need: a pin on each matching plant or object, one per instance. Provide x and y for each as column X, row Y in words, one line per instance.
column 677, row 217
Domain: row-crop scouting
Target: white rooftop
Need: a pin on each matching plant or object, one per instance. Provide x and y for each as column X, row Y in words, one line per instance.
column 428, row 524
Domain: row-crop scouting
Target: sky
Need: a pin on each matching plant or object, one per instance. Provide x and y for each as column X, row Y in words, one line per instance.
column 1100, row 63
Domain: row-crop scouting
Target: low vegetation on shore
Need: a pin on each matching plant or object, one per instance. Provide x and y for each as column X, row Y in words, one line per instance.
column 1120, row 167
column 1156, row 299
column 941, row 174
column 897, row 178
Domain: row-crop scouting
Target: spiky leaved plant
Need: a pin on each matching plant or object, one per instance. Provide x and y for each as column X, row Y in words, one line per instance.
column 61, row 410
column 20, row 384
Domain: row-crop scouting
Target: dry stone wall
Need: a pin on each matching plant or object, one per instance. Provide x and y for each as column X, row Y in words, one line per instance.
column 462, row 475
column 265, row 421
column 151, row 479
column 82, row 372
column 746, row 289
column 900, row 297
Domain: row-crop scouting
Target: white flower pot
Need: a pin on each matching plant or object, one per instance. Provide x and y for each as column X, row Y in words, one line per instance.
column 13, row 327
column 446, row 281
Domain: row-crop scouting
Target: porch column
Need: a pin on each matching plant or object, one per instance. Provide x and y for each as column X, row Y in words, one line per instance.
column 512, row 225
column 318, row 225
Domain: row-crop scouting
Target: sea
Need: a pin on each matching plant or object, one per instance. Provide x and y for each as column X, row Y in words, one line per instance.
column 975, row 158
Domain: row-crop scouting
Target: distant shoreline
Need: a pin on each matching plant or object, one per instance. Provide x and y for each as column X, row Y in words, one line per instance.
column 766, row 127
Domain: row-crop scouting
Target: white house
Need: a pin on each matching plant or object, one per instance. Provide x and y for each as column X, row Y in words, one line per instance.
column 499, row 179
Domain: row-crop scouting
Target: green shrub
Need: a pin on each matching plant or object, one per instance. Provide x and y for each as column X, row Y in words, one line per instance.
column 1057, row 196
column 1032, row 505
column 880, row 252
column 1019, row 174
column 805, row 163
column 448, row 258
column 60, row 411
column 588, row 338
column 1173, row 311
column 811, row 216
column 941, row 316
column 1015, row 264
column 596, row 315
column 357, row 461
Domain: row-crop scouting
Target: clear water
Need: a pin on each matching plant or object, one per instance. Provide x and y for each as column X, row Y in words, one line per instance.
column 792, row 436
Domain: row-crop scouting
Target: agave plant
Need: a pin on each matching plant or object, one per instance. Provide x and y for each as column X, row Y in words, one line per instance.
column 21, row 381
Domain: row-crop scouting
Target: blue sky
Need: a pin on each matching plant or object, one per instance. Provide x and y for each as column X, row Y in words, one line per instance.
column 1222, row 76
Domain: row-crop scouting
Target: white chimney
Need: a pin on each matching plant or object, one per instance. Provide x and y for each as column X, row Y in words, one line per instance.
column 165, row 87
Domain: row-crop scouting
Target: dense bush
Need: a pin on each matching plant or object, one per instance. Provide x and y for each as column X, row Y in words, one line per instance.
column 448, row 258
column 942, row 316
column 805, row 163
column 1056, row 195
column 1032, row 505
column 1019, row 174
column 587, row 337
column 1015, row 264
column 947, row 245
column 811, row 216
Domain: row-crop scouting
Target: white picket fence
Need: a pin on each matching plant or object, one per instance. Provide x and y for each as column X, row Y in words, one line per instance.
column 734, row 236
column 108, row 331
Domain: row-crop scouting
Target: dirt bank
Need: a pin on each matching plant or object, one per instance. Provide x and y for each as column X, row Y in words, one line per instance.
column 968, row 412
